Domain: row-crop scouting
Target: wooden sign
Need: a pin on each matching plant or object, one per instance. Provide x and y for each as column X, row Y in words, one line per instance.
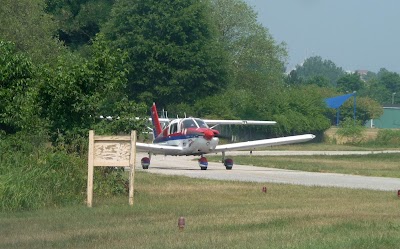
column 111, row 151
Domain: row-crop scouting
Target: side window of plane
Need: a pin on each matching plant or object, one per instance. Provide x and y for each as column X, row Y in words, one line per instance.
column 174, row 128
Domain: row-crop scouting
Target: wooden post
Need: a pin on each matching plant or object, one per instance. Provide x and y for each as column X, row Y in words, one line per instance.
column 90, row 169
column 132, row 162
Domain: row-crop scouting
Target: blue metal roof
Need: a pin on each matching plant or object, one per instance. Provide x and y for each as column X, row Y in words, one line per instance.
column 336, row 102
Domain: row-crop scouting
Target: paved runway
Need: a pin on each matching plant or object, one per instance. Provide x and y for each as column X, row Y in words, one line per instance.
column 185, row 166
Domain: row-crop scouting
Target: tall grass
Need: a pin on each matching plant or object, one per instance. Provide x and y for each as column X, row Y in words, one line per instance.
column 387, row 137
column 33, row 174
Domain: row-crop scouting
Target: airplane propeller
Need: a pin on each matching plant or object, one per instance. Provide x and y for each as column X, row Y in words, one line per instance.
column 209, row 134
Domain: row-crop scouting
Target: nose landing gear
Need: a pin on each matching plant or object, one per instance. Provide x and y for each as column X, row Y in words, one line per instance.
column 145, row 162
column 203, row 163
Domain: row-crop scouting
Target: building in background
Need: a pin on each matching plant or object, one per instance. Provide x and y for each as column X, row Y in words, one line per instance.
column 390, row 118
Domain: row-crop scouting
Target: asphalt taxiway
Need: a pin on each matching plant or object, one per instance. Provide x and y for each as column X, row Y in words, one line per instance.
column 187, row 166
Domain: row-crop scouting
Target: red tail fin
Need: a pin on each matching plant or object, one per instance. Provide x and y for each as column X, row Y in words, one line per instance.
column 156, row 122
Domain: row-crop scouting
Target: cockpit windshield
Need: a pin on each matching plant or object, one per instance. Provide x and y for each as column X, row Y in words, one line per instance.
column 189, row 123
column 201, row 123
column 193, row 123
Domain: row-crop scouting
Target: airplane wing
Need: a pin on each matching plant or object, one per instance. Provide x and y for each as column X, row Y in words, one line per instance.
column 162, row 120
column 158, row 149
column 250, row 145
column 237, row 122
column 223, row 122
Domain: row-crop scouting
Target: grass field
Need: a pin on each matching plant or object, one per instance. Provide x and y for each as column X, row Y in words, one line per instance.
column 223, row 214
column 218, row 215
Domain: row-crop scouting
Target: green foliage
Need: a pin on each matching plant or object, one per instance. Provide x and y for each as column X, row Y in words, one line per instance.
column 315, row 66
column 366, row 109
column 379, row 92
column 32, row 175
column 79, row 91
column 173, row 55
column 18, row 109
column 387, row 137
column 79, row 21
column 301, row 110
column 256, row 61
column 350, row 83
column 352, row 130
column 382, row 87
column 110, row 181
column 296, row 110
column 390, row 80
column 25, row 23
column 318, row 80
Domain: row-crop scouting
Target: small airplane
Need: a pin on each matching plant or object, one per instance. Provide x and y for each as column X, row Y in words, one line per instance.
column 193, row 137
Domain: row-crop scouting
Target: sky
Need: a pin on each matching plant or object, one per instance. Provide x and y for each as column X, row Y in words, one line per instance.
column 354, row 34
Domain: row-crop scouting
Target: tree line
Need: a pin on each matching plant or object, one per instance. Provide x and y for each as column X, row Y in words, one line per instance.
column 65, row 63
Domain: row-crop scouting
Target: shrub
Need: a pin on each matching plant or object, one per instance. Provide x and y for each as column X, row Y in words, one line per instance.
column 351, row 131
column 386, row 137
column 33, row 175
column 50, row 179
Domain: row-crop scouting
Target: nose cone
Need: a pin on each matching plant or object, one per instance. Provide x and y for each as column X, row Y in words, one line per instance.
column 208, row 134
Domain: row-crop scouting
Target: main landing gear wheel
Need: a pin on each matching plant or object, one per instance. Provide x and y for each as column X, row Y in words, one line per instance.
column 228, row 163
column 203, row 163
column 145, row 162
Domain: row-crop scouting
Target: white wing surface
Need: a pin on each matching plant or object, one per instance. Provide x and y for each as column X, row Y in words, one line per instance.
column 238, row 122
column 264, row 142
column 158, row 149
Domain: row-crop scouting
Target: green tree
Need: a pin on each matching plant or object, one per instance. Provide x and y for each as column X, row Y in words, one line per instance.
column 173, row 54
column 302, row 110
column 79, row 21
column 379, row 92
column 18, row 110
column 350, row 83
column 25, row 23
column 256, row 60
column 391, row 81
column 315, row 66
column 318, row 80
column 79, row 91
column 293, row 78
column 366, row 109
